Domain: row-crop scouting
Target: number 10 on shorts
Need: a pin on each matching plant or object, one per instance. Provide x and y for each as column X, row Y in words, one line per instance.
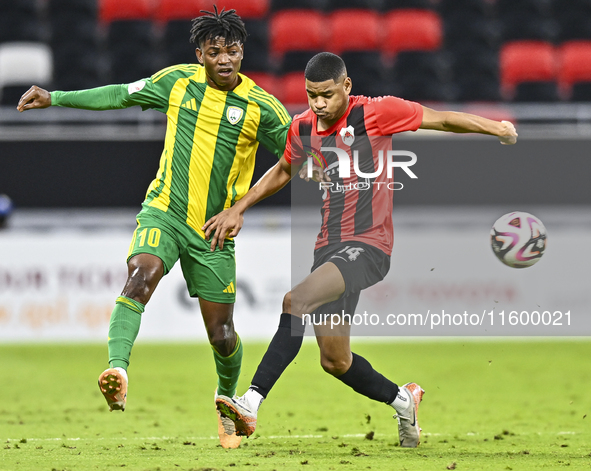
column 152, row 237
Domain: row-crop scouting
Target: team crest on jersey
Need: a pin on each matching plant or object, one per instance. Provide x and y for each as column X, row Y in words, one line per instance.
column 234, row 114
column 348, row 135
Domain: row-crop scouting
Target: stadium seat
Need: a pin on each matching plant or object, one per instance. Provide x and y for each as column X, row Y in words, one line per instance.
column 574, row 62
column 354, row 4
column 364, row 36
column 408, row 30
column 277, row 5
column 479, row 8
column 130, row 45
column 111, row 10
column 424, row 89
column 256, row 49
column 23, row 64
column 73, row 26
column 562, row 10
column 526, row 26
column 475, row 61
column 406, row 4
column 581, row 91
column 247, row 9
column 130, row 32
column 83, row 7
column 177, row 49
column 574, row 25
column 292, row 90
column 294, row 61
column 526, row 61
column 264, row 80
column 76, row 66
column 29, row 7
column 367, row 72
column 477, row 87
column 465, row 30
column 170, row 10
column 537, row 8
column 17, row 25
column 543, row 91
column 297, row 30
column 426, row 63
column 130, row 64
column 422, row 75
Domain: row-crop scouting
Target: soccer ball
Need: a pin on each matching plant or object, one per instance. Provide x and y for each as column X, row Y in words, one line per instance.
column 518, row 239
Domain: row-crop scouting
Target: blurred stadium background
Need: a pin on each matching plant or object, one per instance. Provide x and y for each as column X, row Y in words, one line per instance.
column 76, row 178
column 424, row 50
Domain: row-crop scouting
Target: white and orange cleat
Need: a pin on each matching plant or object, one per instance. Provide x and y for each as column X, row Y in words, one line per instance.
column 226, row 430
column 113, row 384
column 238, row 411
column 408, row 425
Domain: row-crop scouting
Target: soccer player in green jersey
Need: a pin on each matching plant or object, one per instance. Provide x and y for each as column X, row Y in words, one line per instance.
column 216, row 119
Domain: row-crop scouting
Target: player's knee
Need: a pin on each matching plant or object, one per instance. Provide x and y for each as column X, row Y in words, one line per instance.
column 141, row 282
column 223, row 339
column 287, row 303
column 334, row 366
column 299, row 303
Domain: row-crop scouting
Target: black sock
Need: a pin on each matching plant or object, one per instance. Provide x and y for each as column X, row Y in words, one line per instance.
column 367, row 381
column 282, row 350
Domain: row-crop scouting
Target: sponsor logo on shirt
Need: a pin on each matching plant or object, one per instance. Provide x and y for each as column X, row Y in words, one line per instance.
column 135, row 86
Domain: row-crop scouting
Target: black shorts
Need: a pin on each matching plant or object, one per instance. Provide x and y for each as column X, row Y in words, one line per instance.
column 360, row 264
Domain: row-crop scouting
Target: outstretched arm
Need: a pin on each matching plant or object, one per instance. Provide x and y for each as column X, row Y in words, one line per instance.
column 109, row 97
column 229, row 222
column 453, row 121
column 34, row 97
column 149, row 93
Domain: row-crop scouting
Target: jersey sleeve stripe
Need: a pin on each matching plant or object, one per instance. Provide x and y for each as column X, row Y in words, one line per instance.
column 279, row 105
column 273, row 101
column 184, row 67
column 158, row 75
column 267, row 99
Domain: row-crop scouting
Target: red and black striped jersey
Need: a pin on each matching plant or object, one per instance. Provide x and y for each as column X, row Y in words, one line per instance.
column 357, row 207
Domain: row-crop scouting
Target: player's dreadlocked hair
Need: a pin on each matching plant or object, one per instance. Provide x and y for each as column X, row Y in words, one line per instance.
column 325, row 66
column 225, row 24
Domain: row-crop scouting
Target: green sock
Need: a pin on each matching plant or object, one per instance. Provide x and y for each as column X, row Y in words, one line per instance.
column 228, row 369
column 123, row 330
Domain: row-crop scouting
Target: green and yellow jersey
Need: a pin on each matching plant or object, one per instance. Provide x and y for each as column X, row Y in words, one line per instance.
column 211, row 137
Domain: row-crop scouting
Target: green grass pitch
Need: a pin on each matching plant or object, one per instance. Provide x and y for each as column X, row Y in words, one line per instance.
column 498, row 405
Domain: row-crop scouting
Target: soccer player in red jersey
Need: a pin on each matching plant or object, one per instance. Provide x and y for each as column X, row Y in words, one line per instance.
column 354, row 245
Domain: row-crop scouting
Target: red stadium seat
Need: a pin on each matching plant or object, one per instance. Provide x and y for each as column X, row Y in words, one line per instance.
column 167, row 10
column 364, row 36
column 574, row 62
column 411, row 30
column 247, row 9
column 292, row 89
column 110, row 10
column 297, row 30
column 526, row 61
column 264, row 80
